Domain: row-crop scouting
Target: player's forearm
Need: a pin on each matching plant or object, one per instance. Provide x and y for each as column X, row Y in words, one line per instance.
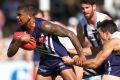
column 75, row 42
column 68, row 60
column 13, row 48
column 90, row 64
column 97, row 61
column 71, row 51
column 85, row 51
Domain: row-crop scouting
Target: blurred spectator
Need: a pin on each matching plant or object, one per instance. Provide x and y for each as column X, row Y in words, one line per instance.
column 117, row 9
column 72, row 24
column 108, row 6
column 71, row 8
column 1, row 3
column 2, row 42
column 10, row 7
column 117, row 21
column 2, row 19
column 57, row 9
column 2, row 22
column 2, row 50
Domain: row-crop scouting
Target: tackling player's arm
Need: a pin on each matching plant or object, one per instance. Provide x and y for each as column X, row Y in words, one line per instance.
column 82, row 38
column 80, row 34
column 101, row 56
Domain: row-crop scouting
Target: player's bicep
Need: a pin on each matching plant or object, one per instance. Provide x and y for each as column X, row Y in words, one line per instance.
column 54, row 29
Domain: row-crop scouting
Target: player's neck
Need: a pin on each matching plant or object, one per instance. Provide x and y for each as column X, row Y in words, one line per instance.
column 93, row 20
column 31, row 25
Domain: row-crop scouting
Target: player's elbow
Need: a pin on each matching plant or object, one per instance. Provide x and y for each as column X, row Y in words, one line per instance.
column 9, row 54
column 95, row 65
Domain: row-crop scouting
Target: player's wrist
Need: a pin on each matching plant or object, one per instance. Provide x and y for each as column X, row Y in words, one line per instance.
column 19, row 43
column 80, row 53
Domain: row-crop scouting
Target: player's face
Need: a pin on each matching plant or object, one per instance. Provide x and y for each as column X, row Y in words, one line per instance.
column 103, row 35
column 22, row 17
column 88, row 10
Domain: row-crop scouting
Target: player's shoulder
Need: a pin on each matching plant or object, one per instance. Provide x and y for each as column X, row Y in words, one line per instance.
column 39, row 20
column 113, row 42
column 102, row 16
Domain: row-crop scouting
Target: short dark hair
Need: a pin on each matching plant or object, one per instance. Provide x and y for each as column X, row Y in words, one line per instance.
column 107, row 26
column 87, row 2
column 27, row 8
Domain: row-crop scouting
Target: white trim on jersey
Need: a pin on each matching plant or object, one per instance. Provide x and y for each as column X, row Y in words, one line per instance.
column 51, row 46
column 109, row 68
column 92, row 32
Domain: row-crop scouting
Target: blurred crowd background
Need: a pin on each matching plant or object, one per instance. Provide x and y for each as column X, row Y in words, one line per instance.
column 67, row 12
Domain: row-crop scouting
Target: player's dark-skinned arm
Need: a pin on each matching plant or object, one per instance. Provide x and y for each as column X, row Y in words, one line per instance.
column 13, row 48
column 100, row 58
column 55, row 29
column 15, row 45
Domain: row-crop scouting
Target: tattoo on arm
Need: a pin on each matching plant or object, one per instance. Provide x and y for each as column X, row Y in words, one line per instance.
column 13, row 48
column 54, row 29
column 57, row 30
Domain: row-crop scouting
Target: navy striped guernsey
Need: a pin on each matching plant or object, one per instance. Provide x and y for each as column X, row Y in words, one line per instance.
column 48, row 43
